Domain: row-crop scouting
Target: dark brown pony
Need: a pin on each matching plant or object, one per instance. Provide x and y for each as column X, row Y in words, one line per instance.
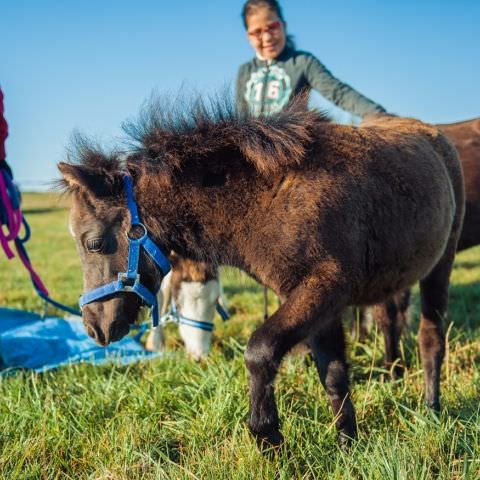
column 325, row 215
column 392, row 315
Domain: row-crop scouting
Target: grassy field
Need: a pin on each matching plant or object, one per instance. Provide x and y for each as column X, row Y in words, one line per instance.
column 171, row 418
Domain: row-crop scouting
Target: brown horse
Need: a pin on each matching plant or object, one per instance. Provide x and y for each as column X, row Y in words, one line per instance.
column 391, row 316
column 325, row 215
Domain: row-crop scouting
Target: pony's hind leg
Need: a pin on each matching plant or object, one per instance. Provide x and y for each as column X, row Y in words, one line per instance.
column 328, row 349
column 386, row 315
column 434, row 299
column 295, row 320
column 402, row 300
column 434, row 287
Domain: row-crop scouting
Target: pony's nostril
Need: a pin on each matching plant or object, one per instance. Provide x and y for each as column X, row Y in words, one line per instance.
column 97, row 334
column 117, row 331
column 91, row 331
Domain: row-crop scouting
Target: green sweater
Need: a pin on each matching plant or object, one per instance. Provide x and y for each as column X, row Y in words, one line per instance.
column 265, row 87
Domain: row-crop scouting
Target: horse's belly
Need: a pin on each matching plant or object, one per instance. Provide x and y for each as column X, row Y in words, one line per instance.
column 412, row 258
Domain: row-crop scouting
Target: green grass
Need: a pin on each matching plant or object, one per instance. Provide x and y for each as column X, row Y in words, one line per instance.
column 171, row 418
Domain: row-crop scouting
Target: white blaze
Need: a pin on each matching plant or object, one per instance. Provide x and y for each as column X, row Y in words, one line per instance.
column 70, row 228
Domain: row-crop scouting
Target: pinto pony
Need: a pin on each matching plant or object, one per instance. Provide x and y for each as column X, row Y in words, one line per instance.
column 194, row 289
column 325, row 215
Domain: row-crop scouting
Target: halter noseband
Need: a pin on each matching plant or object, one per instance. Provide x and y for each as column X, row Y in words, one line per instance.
column 129, row 281
column 174, row 316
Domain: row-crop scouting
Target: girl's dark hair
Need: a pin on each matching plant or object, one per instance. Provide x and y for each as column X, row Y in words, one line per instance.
column 251, row 5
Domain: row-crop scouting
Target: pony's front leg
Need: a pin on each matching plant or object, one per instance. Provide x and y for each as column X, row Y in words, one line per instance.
column 328, row 349
column 296, row 319
column 156, row 337
column 155, row 340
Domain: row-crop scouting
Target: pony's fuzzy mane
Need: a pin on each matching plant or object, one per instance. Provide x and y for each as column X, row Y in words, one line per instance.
column 94, row 160
column 174, row 131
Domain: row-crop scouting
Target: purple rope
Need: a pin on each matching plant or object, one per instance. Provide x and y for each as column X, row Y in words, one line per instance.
column 13, row 220
column 13, row 225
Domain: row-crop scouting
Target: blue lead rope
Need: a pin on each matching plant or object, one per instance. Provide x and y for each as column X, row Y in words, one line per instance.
column 129, row 281
column 222, row 312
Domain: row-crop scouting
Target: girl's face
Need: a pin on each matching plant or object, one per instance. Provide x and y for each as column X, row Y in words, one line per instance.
column 266, row 33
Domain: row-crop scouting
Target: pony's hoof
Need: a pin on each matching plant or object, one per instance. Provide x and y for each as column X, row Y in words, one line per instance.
column 345, row 441
column 268, row 438
column 434, row 407
column 397, row 374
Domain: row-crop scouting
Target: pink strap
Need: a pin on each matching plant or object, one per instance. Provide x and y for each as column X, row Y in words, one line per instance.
column 13, row 226
column 14, row 223
column 14, row 220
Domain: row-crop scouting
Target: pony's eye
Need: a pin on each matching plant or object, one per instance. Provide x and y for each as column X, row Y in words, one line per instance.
column 95, row 245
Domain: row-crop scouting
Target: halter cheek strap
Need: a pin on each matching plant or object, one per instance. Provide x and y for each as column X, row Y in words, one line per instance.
column 129, row 281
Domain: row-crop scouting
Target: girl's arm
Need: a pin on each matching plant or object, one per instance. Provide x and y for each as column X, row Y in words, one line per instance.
column 3, row 129
column 339, row 93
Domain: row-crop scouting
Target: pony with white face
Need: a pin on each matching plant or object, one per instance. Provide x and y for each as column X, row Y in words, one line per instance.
column 188, row 295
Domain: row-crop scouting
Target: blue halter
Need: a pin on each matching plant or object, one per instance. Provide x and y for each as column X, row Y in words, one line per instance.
column 129, row 281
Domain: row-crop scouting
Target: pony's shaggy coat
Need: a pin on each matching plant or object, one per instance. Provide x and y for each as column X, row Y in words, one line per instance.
column 392, row 315
column 325, row 215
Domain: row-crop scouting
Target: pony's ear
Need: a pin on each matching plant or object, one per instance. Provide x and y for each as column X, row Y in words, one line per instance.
column 88, row 179
column 74, row 176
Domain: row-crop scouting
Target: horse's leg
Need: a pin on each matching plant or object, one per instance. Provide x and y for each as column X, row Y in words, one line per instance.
column 402, row 299
column 156, row 339
column 328, row 348
column 434, row 299
column 294, row 321
column 386, row 316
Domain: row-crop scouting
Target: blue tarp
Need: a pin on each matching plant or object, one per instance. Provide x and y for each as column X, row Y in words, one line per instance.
column 29, row 341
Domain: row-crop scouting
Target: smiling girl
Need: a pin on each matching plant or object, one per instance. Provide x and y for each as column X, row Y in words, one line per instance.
column 264, row 86
column 279, row 71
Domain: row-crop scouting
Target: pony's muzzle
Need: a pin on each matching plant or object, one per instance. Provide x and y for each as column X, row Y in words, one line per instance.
column 101, row 329
column 96, row 333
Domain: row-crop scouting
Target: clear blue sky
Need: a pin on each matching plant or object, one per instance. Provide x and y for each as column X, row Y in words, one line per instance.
column 89, row 65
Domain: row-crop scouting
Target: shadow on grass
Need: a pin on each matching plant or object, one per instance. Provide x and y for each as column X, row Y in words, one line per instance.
column 172, row 450
column 468, row 408
column 466, row 264
column 35, row 211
